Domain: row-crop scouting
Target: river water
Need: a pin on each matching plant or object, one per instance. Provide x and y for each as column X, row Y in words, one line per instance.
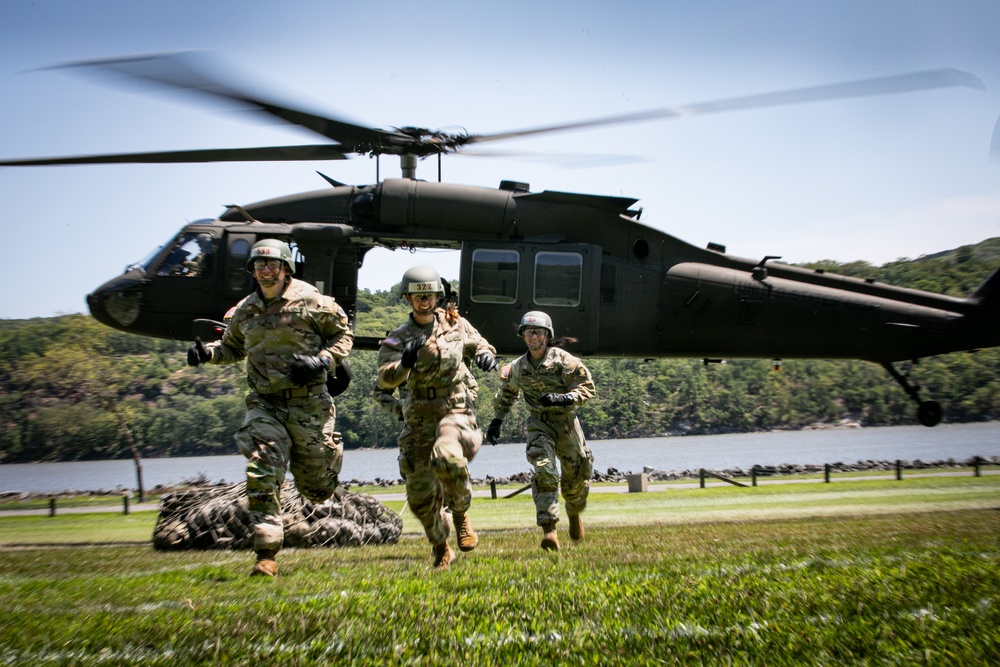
column 957, row 441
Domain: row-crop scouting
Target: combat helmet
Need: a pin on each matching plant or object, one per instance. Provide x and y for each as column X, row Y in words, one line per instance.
column 271, row 249
column 420, row 279
column 536, row 319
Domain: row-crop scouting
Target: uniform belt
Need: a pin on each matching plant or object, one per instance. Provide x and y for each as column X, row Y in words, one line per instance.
column 553, row 416
column 432, row 392
column 302, row 392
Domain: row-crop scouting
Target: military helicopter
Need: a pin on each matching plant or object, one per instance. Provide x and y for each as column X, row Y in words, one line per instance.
column 622, row 288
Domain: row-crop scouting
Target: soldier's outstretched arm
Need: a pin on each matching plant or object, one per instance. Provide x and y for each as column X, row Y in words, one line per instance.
column 578, row 381
column 338, row 339
column 390, row 373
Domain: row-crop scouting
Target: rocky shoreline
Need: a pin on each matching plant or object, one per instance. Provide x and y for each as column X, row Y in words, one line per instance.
column 611, row 475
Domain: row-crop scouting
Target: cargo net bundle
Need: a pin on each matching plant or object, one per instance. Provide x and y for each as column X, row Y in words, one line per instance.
column 218, row 518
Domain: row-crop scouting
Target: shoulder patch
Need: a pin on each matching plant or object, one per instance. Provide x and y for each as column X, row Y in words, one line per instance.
column 505, row 372
column 392, row 341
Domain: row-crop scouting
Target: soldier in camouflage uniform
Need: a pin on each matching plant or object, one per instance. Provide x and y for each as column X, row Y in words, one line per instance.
column 439, row 435
column 553, row 382
column 387, row 400
column 292, row 337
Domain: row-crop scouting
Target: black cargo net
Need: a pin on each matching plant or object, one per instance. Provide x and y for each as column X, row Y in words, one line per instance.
column 217, row 518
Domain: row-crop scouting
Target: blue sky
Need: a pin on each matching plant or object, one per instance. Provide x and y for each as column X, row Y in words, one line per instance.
column 870, row 179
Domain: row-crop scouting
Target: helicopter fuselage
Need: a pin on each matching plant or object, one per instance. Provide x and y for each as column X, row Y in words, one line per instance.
column 621, row 288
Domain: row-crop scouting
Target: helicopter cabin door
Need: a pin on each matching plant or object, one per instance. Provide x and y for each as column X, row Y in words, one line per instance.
column 500, row 282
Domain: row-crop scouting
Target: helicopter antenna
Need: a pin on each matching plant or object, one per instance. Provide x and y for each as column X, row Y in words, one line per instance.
column 335, row 183
column 245, row 213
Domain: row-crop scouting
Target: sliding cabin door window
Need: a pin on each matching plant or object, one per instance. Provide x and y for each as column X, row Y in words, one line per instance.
column 558, row 279
column 494, row 276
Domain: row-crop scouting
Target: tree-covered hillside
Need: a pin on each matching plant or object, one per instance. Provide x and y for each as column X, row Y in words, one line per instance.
column 71, row 388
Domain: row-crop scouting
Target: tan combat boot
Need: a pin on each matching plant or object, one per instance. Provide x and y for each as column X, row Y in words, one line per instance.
column 575, row 527
column 467, row 538
column 265, row 566
column 550, row 541
column 443, row 556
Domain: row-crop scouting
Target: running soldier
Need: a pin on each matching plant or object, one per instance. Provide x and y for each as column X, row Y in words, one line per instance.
column 440, row 435
column 292, row 337
column 553, row 383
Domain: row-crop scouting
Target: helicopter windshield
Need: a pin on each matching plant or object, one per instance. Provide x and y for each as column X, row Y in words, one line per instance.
column 190, row 256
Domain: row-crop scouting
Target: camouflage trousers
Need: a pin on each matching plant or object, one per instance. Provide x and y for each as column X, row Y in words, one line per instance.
column 562, row 441
column 434, row 461
column 278, row 435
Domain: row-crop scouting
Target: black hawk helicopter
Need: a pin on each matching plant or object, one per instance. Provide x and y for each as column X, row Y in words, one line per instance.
column 622, row 288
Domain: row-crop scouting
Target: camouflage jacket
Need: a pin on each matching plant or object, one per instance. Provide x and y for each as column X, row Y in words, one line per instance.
column 387, row 400
column 441, row 362
column 300, row 321
column 559, row 372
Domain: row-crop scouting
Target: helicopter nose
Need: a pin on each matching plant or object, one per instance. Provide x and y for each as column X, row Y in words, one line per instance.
column 116, row 303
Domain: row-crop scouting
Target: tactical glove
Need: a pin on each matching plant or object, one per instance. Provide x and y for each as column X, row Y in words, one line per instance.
column 486, row 361
column 198, row 353
column 493, row 431
column 306, row 370
column 409, row 358
column 550, row 400
column 338, row 378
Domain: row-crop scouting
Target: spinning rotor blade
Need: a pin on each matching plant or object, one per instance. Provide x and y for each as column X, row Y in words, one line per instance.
column 261, row 154
column 187, row 71
column 902, row 83
column 995, row 142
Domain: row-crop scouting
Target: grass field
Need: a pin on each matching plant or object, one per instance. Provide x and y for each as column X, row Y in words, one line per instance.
column 874, row 572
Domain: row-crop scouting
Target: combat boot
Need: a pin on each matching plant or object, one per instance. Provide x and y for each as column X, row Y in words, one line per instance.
column 575, row 527
column 265, row 566
column 550, row 541
column 467, row 538
column 443, row 556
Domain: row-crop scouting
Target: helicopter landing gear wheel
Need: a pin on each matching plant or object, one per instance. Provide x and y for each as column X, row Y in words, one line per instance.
column 929, row 413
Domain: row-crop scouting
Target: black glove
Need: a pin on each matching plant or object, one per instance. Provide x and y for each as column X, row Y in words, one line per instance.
column 306, row 370
column 486, row 361
column 338, row 378
column 551, row 400
column 198, row 353
column 493, row 431
column 409, row 358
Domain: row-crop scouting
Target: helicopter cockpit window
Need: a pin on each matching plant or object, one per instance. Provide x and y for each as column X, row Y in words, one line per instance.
column 558, row 278
column 191, row 256
column 494, row 276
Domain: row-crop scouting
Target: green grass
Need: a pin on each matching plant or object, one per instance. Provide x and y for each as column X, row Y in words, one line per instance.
column 873, row 572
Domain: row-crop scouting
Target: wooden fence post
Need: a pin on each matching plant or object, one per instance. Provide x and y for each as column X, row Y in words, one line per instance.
column 826, row 473
column 52, row 506
column 899, row 470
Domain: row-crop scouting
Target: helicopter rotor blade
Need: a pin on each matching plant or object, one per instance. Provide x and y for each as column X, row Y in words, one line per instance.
column 995, row 142
column 260, row 154
column 564, row 160
column 901, row 83
column 192, row 71
column 188, row 71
